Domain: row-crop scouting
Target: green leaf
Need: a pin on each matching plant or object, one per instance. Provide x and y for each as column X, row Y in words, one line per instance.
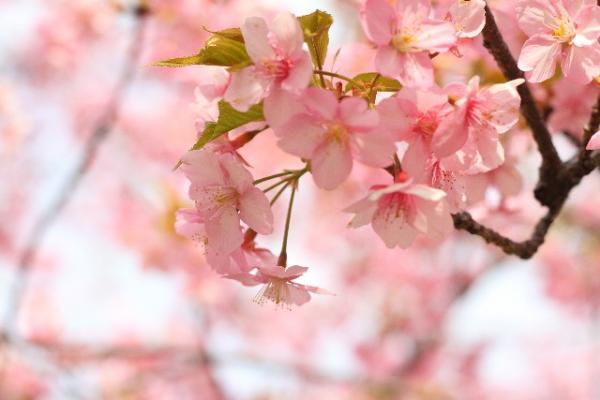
column 316, row 34
column 229, row 119
column 382, row 83
column 224, row 48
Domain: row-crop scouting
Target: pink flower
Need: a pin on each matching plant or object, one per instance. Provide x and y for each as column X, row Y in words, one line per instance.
column 405, row 37
column 399, row 212
column 594, row 143
column 572, row 105
column 479, row 116
column 331, row 133
column 280, row 62
column 413, row 116
column 224, row 193
column 468, row 17
column 206, row 105
column 565, row 31
column 279, row 287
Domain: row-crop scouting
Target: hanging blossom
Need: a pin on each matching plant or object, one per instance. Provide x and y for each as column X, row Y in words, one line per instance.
column 280, row 63
column 479, row 116
column 400, row 212
column 405, row 38
column 331, row 133
column 280, row 288
column 224, row 193
column 560, row 31
column 468, row 17
column 594, row 143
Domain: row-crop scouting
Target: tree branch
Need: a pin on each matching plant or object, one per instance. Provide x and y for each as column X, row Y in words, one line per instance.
column 556, row 179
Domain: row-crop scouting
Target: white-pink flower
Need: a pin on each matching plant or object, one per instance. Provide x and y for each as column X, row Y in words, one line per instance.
column 207, row 97
column 401, row 211
column 413, row 116
column 280, row 62
column 479, row 116
column 560, row 31
column 224, row 193
column 594, row 143
column 405, row 36
column 280, row 288
column 468, row 17
column 331, row 133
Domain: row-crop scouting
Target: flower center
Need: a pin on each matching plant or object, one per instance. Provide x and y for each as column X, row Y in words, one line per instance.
column 563, row 29
column 337, row 132
column 275, row 290
column 427, row 125
column 224, row 195
column 276, row 68
column 404, row 41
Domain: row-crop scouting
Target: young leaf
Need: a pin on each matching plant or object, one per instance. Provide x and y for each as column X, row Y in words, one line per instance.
column 229, row 119
column 316, row 34
column 225, row 48
column 381, row 83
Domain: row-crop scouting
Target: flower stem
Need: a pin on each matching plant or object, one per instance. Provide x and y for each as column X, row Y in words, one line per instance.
column 282, row 260
column 334, row 75
column 280, row 192
column 268, row 178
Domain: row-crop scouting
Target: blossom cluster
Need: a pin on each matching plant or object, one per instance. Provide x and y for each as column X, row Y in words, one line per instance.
column 440, row 143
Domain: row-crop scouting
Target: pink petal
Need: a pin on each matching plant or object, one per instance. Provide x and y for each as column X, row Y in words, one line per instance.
column 416, row 158
column 582, row 64
column 425, row 192
column 388, row 61
column 594, row 143
column 508, row 180
column 331, row 164
column 255, row 211
column 380, row 21
column 397, row 116
column 469, row 17
column 224, row 231
column 588, row 27
column 538, row 57
column 255, row 32
column 288, row 33
column 356, row 115
column 416, row 70
column 531, row 16
column 490, row 149
column 373, row 148
column 504, row 104
column 237, row 175
column 436, row 36
column 280, row 106
column 245, row 89
column 393, row 228
column 202, row 167
column 451, row 134
column 300, row 74
column 297, row 294
column 300, row 136
column 437, row 215
column 321, row 102
column 364, row 210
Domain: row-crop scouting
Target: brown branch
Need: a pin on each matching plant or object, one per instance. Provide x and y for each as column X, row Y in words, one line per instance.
column 556, row 179
column 99, row 134
column 494, row 42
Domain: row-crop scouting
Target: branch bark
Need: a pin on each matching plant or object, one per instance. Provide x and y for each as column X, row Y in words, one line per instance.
column 556, row 179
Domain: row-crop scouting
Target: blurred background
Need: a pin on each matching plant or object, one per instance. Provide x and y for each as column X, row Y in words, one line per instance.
column 100, row 299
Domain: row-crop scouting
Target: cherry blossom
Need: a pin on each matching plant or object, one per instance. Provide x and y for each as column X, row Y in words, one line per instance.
column 560, row 31
column 468, row 17
column 405, row 37
column 280, row 288
column 280, row 62
column 479, row 116
column 400, row 212
column 413, row 116
column 224, row 193
column 332, row 133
